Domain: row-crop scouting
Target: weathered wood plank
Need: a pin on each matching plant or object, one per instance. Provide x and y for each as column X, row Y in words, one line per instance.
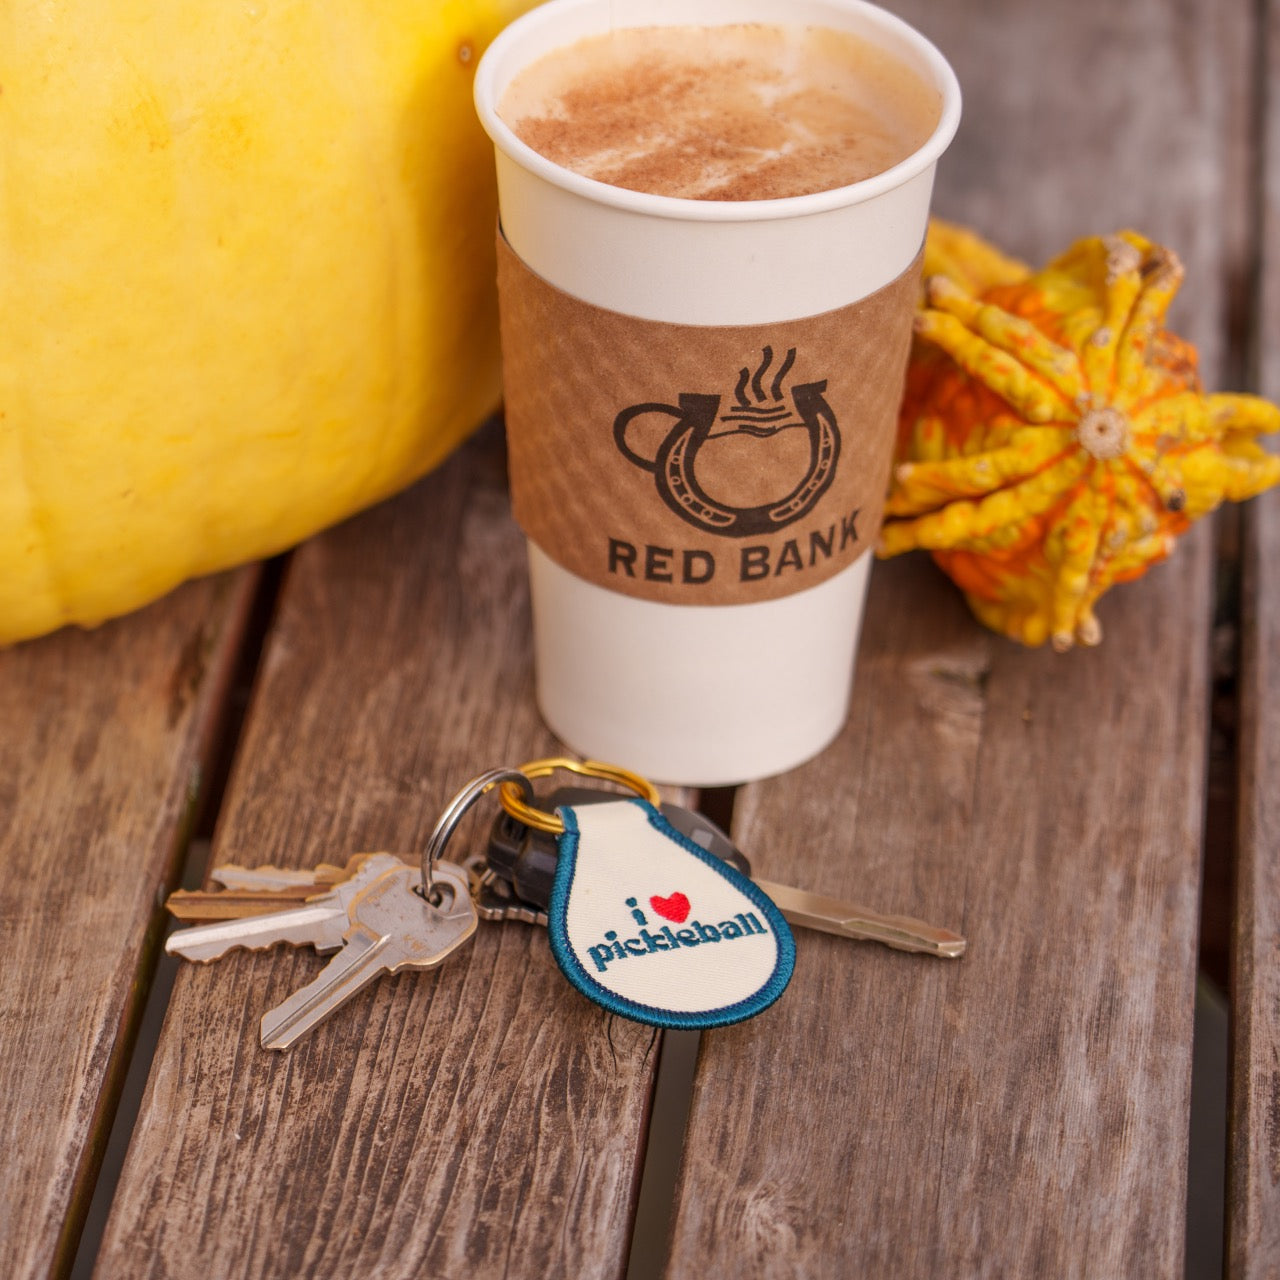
column 1253, row 1224
column 480, row 1120
column 1023, row 1111
column 1254, row 1150
column 107, row 735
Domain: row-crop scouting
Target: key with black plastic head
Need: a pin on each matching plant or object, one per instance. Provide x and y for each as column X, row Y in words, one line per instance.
column 525, row 858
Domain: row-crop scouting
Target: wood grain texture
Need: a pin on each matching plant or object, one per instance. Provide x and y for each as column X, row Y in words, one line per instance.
column 479, row 1120
column 1022, row 1111
column 1085, row 118
column 1253, row 1210
column 106, row 736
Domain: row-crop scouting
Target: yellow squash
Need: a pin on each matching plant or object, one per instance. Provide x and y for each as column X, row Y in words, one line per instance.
column 1055, row 438
column 246, row 274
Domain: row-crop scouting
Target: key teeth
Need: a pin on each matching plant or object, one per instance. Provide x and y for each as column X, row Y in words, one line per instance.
column 267, row 945
column 495, row 900
column 320, row 922
column 266, row 878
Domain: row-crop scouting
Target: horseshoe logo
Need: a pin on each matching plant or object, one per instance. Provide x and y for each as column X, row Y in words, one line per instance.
column 754, row 412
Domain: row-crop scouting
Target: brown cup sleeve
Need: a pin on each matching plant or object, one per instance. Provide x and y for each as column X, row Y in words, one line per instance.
column 700, row 464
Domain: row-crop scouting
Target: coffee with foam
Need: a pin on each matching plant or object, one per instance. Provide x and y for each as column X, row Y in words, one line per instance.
column 739, row 112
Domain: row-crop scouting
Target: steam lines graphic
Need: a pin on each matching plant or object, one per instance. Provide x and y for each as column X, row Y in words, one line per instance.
column 768, row 413
column 696, row 419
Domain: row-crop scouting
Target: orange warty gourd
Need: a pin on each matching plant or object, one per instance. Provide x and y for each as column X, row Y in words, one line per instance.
column 1055, row 438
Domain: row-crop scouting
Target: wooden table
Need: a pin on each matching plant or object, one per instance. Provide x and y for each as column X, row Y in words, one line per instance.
column 1023, row 1112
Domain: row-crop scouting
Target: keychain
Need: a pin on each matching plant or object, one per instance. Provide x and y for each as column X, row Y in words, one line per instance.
column 647, row 923
column 650, row 909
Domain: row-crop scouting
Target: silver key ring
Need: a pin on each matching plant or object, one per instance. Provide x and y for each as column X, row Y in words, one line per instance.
column 454, row 811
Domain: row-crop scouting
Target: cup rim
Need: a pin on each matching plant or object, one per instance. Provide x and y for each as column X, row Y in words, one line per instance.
column 684, row 208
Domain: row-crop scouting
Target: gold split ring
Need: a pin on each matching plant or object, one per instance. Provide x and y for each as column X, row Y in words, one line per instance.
column 543, row 821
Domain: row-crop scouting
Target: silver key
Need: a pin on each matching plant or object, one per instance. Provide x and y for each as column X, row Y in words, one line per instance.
column 321, row 922
column 392, row 927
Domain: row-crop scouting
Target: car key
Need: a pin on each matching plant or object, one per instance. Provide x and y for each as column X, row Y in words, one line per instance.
column 529, row 866
column 526, row 858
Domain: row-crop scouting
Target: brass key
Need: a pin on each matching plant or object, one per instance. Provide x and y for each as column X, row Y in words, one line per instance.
column 257, row 891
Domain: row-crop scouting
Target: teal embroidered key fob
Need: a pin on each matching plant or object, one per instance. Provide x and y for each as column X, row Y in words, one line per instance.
column 651, row 926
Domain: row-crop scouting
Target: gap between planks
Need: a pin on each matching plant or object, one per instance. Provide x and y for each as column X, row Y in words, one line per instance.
column 159, row 969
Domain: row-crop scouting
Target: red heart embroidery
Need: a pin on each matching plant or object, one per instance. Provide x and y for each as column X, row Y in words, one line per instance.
column 674, row 908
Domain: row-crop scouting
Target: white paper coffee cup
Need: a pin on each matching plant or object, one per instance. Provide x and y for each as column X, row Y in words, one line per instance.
column 688, row 693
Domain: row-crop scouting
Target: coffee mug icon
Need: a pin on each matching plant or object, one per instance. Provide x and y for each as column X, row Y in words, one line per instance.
column 753, row 412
